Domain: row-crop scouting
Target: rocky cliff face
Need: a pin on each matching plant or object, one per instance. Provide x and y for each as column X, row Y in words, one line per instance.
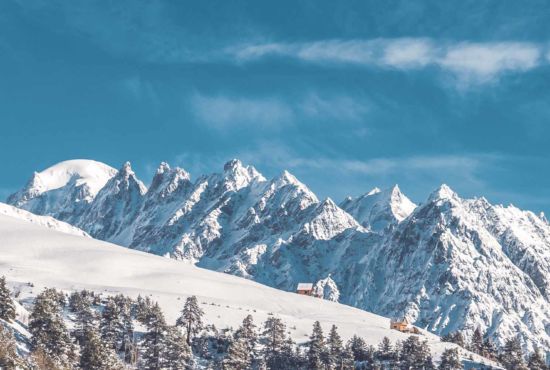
column 448, row 264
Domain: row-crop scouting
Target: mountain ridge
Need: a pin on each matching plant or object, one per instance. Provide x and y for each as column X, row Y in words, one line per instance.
column 444, row 263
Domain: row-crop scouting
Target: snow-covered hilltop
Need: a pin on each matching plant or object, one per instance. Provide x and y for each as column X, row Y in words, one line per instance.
column 448, row 264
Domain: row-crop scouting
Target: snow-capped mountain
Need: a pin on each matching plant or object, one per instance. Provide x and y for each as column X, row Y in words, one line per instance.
column 65, row 190
column 447, row 264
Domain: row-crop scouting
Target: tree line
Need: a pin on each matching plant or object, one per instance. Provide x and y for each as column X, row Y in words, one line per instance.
column 87, row 331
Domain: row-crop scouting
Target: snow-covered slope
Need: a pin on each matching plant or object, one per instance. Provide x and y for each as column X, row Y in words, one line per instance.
column 45, row 221
column 448, row 264
column 29, row 253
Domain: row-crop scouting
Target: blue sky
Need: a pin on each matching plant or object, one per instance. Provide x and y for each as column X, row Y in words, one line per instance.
column 345, row 95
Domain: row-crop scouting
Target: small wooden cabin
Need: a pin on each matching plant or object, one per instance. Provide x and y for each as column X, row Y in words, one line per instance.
column 305, row 289
column 403, row 326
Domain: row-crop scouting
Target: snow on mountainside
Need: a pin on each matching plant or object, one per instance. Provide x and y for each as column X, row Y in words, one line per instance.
column 47, row 258
column 448, row 264
column 377, row 209
column 64, row 190
column 45, row 221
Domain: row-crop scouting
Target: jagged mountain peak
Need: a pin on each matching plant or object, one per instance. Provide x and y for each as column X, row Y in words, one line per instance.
column 237, row 176
column 167, row 180
column 442, row 193
column 379, row 208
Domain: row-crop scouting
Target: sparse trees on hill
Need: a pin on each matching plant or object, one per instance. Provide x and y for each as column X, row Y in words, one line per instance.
column 50, row 336
column 450, row 360
column 191, row 318
column 7, row 307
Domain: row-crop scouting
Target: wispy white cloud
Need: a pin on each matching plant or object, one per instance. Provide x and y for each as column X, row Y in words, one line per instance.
column 227, row 111
column 470, row 62
column 484, row 62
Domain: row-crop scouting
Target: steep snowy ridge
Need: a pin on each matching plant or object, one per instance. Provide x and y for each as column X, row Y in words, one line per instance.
column 446, row 271
column 447, row 264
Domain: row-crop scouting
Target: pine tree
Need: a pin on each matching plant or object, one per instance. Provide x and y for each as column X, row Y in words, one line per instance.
column 415, row 354
column 476, row 344
column 273, row 339
column 536, row 361
column 9, row 358
column 95, row 354
column 116, row 326
column 512, row 355
column 49, row 333
column 80, row 303
column 191, row 318
column 238, row 355
column 359, row 348
column 177, row 353
column 450, row 360
column 337, row 353
column 7, row 307
column 154, row 340
column 385, row 350
column 247, row 330
column 317, row 350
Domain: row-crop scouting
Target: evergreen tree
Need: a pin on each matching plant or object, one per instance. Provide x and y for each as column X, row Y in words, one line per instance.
column 536, row 361
column 385, row 351
column 512, row 355
column 339, row 357
column 80, row 303
column 415, row 354
column 247, row 331
column 7, row 307
column 359, row 348
column 95, row 354
column 9, row 358
column 238, row 355
column 450, row 360
column 191, row 318
column 273, row 338
column 177, row 353
column 317, row 350
column 49, row 334
column 476, row 344
column 154, row 340
column 117, row 328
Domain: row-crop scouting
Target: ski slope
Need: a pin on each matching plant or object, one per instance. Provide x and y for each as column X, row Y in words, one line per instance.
column 44, row 257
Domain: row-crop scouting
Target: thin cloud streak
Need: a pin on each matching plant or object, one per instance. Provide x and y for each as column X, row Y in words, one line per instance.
column 470, row 62
column 228, row 111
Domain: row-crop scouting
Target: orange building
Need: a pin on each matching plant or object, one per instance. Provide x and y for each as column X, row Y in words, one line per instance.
column 305, row 289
